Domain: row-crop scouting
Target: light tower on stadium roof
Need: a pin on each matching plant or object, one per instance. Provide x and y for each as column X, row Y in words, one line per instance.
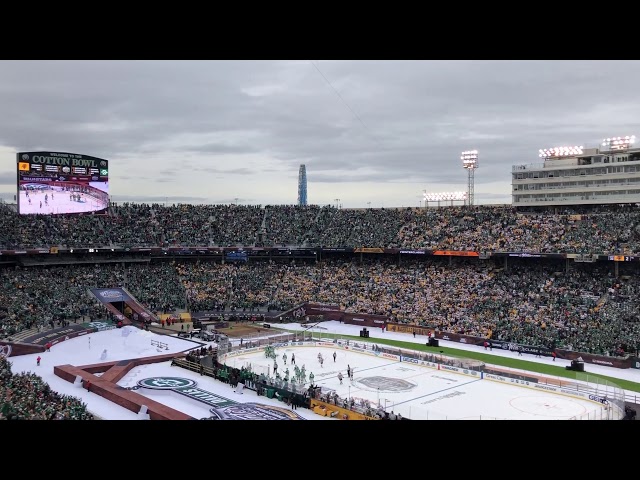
column 302, row 185
column 470, row 162
column 557, row 152
column 444, row 196
column 619, row 143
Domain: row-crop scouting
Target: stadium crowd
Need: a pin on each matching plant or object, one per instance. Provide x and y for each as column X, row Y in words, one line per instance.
column 25, row 396
column 585, row 308
column 43, row 297
column 478, row 228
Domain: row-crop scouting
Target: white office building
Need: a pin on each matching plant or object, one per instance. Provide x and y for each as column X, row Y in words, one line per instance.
column 580, row 176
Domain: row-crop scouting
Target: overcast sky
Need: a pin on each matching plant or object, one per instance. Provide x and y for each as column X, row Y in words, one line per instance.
column 372, row 131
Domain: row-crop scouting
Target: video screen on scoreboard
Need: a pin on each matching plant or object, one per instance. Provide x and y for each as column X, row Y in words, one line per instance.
column 51, row 183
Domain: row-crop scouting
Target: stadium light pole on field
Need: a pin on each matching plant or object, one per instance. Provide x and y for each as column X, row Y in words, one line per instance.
column 470, row 162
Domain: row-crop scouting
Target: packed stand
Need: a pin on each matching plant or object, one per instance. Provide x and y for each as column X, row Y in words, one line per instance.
column 483, row 228
column 52, row 296
column 289, row 224
column 586, row 309
column 25, row 396
column 217, row 287
column 319, row 226
column 134, row 224
column 157, row 286
column 364, row 228
column 204, row 225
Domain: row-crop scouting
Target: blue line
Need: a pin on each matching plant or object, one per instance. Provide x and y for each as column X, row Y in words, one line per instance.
column 443, row 390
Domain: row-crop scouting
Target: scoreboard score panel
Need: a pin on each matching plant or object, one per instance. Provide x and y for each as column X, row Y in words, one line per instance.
column 623, row 258
column 62, row 183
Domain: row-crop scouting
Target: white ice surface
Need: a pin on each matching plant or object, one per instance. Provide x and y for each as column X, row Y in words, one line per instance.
column 475, row 397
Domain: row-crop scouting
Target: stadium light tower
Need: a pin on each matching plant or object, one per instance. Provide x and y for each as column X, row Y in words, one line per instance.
column 556, row 152
column 470, row 162
column 444, row 196
column 302, row 185
column 619, row 143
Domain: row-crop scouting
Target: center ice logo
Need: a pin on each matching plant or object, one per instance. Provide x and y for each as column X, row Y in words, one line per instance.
column 387, row 384
column 166, row 383
column 222, row 408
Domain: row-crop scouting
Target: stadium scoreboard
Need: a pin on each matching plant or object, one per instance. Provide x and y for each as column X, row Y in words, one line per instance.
column 623, row 258
column 61, row 182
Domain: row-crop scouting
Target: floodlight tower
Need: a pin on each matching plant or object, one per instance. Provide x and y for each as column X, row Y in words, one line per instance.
column 557, row 152
column 470, row 162
column 619, row 143
column 302, row 185
column 446, row 196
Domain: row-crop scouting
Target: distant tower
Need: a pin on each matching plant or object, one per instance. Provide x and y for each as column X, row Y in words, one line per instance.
column 302, row 185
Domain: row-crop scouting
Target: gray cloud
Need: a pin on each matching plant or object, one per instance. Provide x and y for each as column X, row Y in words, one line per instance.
column 231, row 171
column 222, row 127
column 8, row 178
column 157, row 198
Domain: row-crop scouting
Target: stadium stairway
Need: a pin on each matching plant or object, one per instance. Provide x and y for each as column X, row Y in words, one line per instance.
column 19, row 337
column 602, row 300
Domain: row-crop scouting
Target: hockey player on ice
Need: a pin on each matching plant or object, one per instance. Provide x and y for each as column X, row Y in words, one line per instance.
column 321, row 361
column 284, row 358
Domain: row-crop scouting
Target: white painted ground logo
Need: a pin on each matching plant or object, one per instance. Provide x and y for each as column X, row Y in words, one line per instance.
column 221, row 408
column 5, row 351
column 253, row 411
column 166, row 383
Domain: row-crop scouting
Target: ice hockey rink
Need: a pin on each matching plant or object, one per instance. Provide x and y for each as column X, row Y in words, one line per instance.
column 419, row 392
column 414, row 391
column 61, row 203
